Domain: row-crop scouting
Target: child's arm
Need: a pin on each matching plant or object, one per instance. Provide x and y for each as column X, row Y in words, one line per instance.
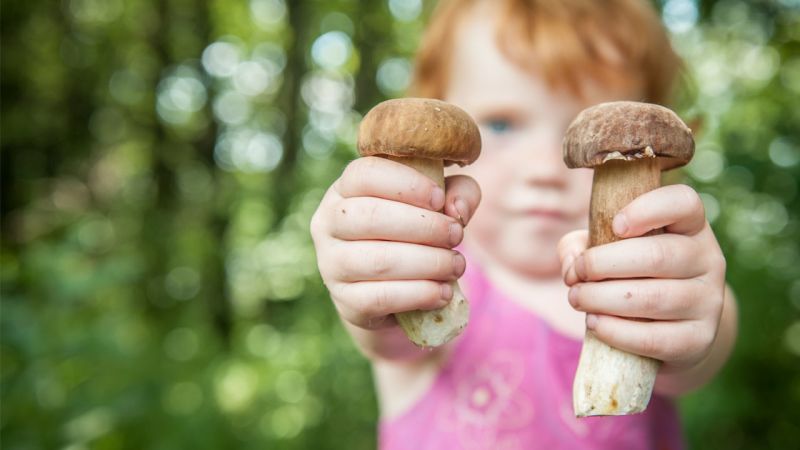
column 674, row 281
column 383, row 248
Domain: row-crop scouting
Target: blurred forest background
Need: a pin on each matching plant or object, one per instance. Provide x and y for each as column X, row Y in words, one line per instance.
column 160, row 164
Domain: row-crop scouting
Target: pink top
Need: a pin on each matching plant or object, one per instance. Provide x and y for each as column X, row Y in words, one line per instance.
column 508, row 385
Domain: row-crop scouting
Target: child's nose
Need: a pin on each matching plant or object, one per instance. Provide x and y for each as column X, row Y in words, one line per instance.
column 544, row 164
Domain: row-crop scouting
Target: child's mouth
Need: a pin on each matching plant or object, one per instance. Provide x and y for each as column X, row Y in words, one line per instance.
column 545, row 213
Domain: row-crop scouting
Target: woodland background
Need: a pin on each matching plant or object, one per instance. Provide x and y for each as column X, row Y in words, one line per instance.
column 160, row 164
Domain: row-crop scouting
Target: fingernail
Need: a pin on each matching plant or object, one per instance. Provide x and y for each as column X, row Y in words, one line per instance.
column 463, row 211
column 456, row 233
column 459, row 265
column 580, row 268
column 447, row 291
column 572, row 296
column 591, row 321
column 437, row 199
column 620, row 224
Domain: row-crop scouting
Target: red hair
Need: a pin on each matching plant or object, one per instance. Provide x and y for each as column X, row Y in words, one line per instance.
column 562, row 40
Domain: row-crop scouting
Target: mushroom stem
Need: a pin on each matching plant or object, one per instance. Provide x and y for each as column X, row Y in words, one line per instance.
column 435, row 327
column 610, row 381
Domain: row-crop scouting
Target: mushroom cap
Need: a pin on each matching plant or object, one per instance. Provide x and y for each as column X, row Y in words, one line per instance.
column 420, row 128
column 627, row 130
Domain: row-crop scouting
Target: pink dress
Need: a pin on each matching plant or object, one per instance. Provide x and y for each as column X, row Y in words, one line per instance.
column 508, row 385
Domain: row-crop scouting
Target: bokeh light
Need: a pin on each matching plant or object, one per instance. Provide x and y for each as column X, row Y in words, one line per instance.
column 181, row 344
column 180, row 95
column 783, row 152
column 394, row 75
column 331, row 50
column 405, row 10
column 248, row 150
column 235, row 386
column 221, row 58
column 232, row 107
column 680, row 15
column 251, row 78
column 182, row 283
column 707, row 164
column 268, row 14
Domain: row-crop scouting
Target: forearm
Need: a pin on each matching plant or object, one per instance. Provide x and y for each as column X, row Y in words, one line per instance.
column 389, row 344
column 678, row 383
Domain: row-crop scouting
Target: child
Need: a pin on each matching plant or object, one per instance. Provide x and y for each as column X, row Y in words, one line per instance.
column 523, row 70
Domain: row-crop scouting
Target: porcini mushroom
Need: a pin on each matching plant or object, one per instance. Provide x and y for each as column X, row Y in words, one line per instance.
column 628, row 144
column 427, row 135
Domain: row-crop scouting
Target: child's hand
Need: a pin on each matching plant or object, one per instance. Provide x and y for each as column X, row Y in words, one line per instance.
column 381, row 245
column 674, row 281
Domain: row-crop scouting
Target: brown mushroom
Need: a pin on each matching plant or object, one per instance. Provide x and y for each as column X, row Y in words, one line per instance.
column 628, row 144
column 424, row 134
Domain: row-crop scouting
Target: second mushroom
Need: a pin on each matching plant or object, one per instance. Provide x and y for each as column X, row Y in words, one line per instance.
column 628, row 144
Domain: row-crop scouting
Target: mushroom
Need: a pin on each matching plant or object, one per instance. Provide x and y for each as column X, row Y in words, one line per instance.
column 628, row 144
column 426, row 135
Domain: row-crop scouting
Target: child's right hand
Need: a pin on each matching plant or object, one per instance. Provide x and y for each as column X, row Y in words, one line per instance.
column 383, row 247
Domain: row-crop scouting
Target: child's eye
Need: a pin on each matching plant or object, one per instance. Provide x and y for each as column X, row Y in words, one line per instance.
column 498, row 126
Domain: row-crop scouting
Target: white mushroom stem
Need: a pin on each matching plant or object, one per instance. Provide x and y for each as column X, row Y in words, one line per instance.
column 435, row 327
column 610, row 381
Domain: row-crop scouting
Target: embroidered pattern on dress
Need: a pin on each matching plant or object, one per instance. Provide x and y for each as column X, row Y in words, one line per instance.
column 488, row 404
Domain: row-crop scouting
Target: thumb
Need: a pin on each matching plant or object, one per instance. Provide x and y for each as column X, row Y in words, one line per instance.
column 462, row 197
column 569, row 248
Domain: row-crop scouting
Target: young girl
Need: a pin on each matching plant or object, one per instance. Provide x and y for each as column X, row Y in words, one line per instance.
column 523, row 70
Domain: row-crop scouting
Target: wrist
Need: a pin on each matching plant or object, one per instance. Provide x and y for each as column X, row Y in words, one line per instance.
column 673, row 381
column 388, row 344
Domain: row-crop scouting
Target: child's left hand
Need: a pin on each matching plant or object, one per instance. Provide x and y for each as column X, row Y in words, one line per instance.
column 674, row 281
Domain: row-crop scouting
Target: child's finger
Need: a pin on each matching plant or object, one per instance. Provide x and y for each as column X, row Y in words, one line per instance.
column 570, row 247
column 348, row 314
column 669, row 341
column 379, row 177
column 661, row 256
column 644, row 298
column 463, row 195
column 366, row 304
column 369, row 218
column 676, row 207
column 383, row 261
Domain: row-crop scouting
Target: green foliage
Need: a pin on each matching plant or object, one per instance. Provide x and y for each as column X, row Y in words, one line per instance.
column 160, row 165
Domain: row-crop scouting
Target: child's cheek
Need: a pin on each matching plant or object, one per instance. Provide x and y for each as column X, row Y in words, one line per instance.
column 580, row 188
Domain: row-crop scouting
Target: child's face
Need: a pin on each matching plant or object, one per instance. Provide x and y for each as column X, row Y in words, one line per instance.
column 530, row 198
